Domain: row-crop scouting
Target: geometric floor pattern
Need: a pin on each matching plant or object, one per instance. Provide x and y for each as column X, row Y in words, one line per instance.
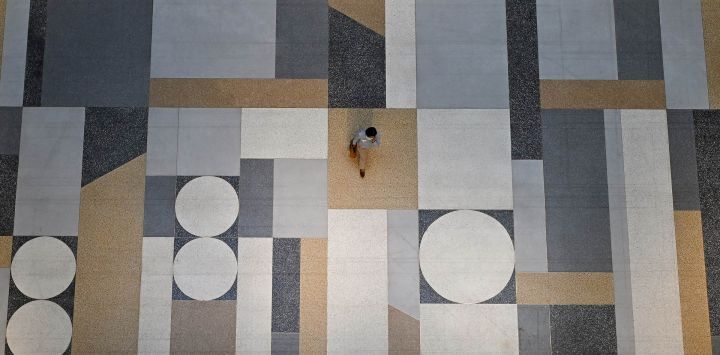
column 175, row 176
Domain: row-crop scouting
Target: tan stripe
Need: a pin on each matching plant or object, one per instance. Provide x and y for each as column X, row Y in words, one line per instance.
column 599, row 94
column 369, row 13
column 403, row 332
column 313, row 296
column 693, row 284
column 269, row 93
column 711, row 28
column 5, row 251
column 109, row 255
column 565, row 288
column 3, row 9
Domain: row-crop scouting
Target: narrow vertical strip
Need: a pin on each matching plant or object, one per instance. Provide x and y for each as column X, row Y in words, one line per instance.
column 707, row 134
column 529, row 216
column 285, row 288
column 693, row 287
column 619, row 233
column 683, row 49
column 155, row 295
column 254, row 294
column 403, row 280
column 35, row 53
column 4, row 291
column 524, row 79
column 683, row 161
column 313, row 296
column 12, row 73
column 301, row 47
column 651, row 232
column 357, row 281
column 3, row 4
column 711, row 30
column 637, row 37
column 400, row 59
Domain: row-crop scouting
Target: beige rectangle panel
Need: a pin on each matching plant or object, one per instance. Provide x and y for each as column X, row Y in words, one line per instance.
column 156, row 295
column 220, row 93
column 602, row 94
column 560, row 288
column 313, row 296
column 357, row 309
column 711, row 30
column 254, row 293
column 109, row 257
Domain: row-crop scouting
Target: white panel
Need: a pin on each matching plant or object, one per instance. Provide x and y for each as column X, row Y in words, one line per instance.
column 651, row 232
column 254, row 294
column 400, row 53
column 469, row 328
column 357, row 282
column 464, row 159
column 284, row 133
column 14, row 50
column 156, row 295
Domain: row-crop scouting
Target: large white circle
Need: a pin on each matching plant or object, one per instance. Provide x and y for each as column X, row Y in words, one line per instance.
column 205, row 269
column 207, row 206
column 43, row 267
column 39, row 327
column 467, row 256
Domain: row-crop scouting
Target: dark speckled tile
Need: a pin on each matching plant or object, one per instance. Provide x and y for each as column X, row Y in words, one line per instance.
column 524, row 79
column 113, row 137
column 34, row 61
column 707, row 136
column 286, row 285
column 8, row 185
column 583, row 329
column 356, row 71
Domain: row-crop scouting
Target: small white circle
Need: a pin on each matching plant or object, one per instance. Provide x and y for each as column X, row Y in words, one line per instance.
column 205, row 269
column 39, row 327
column 467, row 256
column 207, row 206
column 43, row 267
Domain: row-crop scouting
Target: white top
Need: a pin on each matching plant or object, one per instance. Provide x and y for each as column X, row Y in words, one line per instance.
column 362, row 140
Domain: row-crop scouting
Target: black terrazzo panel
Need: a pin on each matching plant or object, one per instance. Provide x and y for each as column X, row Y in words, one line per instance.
column 301, row 47
column 34, row 60
column 583, row 329
column 8, row 186
column 356, row 72
column 113, row 137
column 637, row 38
column 231, row 232
column 683, row 163
column 286, row 285
column 707, row 142
column 524, row 79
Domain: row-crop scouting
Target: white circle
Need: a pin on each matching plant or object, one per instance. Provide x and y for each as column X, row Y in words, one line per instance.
column 467, row 256
column 207, row 206
column 205, row 269
column 43, row 267
column 39, row 327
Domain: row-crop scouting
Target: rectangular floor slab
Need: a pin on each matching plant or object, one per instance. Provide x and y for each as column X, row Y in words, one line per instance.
column 313, row 296
column 213, row 39
column 286, row 286
column 461, row 54
column 256, row 198
column 301, row 49
column 637, row 31
column 471, row 168
column 534, row 329
column 254, row 294
column 49, row 172
column 12, row 73
column 582, row 329
column 403, row 263
column 162, row 141
column 602, row 94
column 683, row 51
column 300, row 198
column 683, row 161
column 156, row 295
column 357, row 281
column 529, row 216
column 576, row 39
column 400, row 54
column 284, row 133
column 203, row 326
column 209, row 142
column 159, row 220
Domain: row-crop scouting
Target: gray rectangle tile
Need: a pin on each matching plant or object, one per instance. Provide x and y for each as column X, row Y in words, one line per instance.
column 12, row 75
column 529, row 216
column 639, row 47
column 403, row 265
column 209, row 142
column 49, row 172
column 285, row 343
column 300, row 198
column 576, row 191
column 301, row 49
column 461, row 54
column 159, row 206
column 716, row 345
column 534, row 329
column 10, row 122
column 162, row 141
column 256, row 198
column 97, row 53
column 683, row 164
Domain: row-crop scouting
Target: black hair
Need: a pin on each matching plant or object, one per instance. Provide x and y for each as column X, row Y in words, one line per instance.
column 371, row 132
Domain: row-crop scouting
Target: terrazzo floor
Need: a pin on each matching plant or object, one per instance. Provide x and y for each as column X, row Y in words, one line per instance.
column 175, row 177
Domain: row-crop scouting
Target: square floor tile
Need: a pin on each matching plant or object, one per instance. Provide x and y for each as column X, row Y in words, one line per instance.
column 213, row 39
column 583, row 329
column 209, row 142
column 391, row 173
column 300, row 198
column 464, row 159
column 203, row 327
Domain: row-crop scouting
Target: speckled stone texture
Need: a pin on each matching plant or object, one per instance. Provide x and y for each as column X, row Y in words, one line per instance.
column 35, row 53
column 113, row 137
column 232, row 232
column 8, row 185
column 524, row 79
column 356, row 65
column 286, row 285
column 707, row 136
column 428, row 294
column 602, row 94
column 583, row 329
